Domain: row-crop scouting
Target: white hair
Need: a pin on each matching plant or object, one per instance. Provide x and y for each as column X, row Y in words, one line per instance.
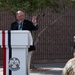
column 19, row 11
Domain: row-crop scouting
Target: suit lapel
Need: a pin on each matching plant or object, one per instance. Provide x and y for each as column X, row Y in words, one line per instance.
column 24, row 25
column 15, row 26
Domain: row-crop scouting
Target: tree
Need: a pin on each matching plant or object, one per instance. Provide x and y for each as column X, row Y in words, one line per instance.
column 31, row 6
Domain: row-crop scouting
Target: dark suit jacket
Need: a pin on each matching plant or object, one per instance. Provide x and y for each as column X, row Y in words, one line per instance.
column 27, row 25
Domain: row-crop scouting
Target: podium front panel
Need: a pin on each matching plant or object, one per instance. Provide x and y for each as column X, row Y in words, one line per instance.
column 19, row 39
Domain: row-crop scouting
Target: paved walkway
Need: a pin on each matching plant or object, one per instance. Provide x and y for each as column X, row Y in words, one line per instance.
column 51, row 72
column 45, row 69
column 48, row 69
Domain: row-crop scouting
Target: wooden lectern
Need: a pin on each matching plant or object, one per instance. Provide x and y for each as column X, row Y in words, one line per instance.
column 15, row 45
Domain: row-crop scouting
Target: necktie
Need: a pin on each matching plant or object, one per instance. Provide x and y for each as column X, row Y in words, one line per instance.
column 20, row 26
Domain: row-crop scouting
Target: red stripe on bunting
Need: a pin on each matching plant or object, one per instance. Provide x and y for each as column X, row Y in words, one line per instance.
column 4, row 52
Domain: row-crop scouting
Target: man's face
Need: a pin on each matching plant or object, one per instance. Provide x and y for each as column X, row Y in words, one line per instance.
column 20, row 16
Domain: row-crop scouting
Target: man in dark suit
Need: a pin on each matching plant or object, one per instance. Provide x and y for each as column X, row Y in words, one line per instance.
column 22, row 24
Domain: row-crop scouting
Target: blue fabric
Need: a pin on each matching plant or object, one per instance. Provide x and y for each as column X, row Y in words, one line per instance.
column 20, row 25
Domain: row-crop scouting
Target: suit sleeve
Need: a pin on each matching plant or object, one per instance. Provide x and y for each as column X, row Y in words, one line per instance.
column 34, row 26
column 13, row 26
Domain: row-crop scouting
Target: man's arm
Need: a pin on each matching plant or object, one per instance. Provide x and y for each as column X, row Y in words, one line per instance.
column 34, row 21
column 34, row 26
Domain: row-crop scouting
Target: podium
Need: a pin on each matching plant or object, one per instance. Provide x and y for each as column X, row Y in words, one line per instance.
column 15, row 44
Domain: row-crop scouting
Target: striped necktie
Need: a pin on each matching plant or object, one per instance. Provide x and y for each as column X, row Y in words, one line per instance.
column 20, row 26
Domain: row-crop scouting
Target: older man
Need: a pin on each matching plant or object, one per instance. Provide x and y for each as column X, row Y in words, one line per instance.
column 22, row 24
